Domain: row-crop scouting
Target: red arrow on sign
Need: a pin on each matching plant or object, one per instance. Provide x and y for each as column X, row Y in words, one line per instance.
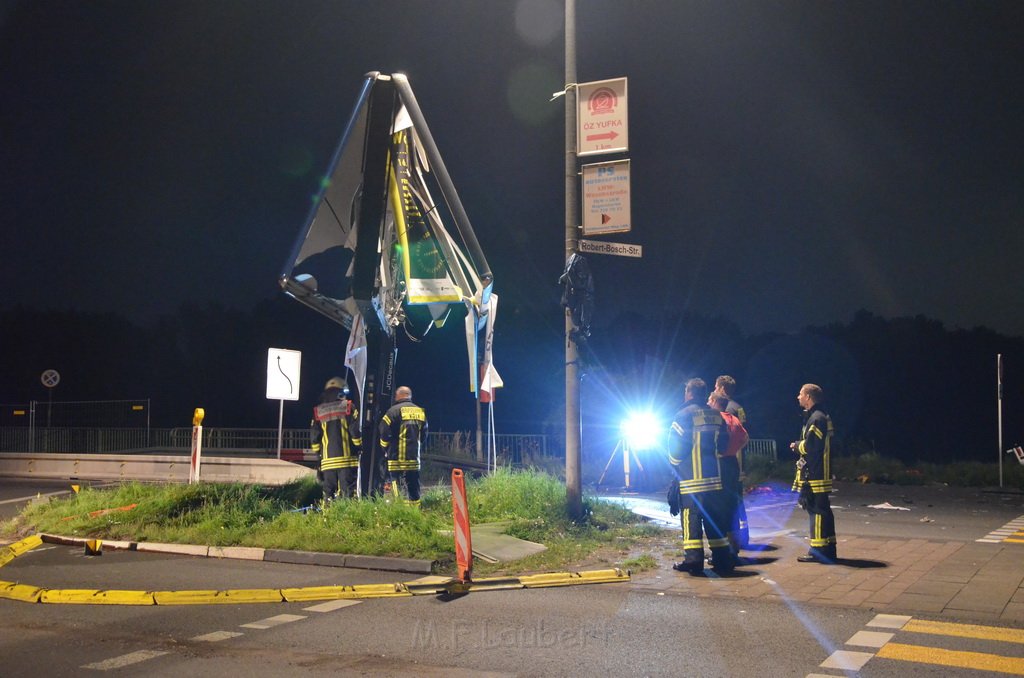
column 607, row 135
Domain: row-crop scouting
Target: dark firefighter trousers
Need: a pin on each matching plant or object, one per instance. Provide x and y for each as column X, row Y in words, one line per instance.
column 739, row 530
column 339, row 482
column 706, row 513
column 822, row 521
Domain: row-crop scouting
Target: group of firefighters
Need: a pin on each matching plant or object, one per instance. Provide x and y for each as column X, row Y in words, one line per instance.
column 337, row 437
column 706, row 437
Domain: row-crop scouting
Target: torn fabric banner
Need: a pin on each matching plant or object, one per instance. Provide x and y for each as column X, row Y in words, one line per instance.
column 489, row 377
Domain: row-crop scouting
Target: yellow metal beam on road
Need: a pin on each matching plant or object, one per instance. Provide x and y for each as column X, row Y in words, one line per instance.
column 22, row 593
column 12, row 551
column 418, row 587
column 963, row 660
column 96, row 597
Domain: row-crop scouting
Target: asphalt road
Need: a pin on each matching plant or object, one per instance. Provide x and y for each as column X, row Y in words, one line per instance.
column 607, row 629
column 16, row 493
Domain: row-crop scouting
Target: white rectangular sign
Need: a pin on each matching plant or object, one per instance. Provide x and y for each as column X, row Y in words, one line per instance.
column 283, row 367
column 606, row 198
column 619, row 249
column 602, row 120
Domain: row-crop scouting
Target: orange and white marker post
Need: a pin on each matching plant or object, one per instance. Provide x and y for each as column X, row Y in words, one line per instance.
column 197, row 446
column 463, row 538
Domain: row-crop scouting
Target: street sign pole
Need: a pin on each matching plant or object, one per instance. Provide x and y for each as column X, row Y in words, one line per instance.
column 573, row 480
column 283, row 370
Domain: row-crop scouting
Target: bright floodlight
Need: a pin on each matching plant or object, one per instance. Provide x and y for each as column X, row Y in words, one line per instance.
column 641, row 431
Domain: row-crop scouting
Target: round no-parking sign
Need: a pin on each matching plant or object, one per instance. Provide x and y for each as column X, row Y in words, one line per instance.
column 50, row 378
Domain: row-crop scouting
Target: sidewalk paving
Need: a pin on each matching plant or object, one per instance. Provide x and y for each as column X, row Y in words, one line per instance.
column 964, row 580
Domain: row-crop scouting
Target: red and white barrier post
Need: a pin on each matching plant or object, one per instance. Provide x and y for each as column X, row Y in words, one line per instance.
column 197, row 446
column 463, row 538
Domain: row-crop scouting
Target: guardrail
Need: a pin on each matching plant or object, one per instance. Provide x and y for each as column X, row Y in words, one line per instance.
column 150, row 467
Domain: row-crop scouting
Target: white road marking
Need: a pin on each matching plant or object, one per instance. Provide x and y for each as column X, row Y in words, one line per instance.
column 34, row 496
column 271, row 622
column 124, row 660
column 217, row 636
column 873, row 639
column 331, row 605
column 889, row 621
column 786, row 504
column 846, row 660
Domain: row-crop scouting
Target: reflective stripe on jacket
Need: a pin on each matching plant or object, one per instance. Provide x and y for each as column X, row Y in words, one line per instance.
column 697, row 437
column 403, row 432
column 336, row 434
column 815, row 450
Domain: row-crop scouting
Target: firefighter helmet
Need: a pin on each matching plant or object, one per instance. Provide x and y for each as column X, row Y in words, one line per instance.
column 336, row 382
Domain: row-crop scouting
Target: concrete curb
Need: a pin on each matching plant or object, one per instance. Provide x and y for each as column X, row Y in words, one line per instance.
column 412, row 565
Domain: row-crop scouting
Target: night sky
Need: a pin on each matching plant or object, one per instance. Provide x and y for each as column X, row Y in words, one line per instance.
column 792, row 162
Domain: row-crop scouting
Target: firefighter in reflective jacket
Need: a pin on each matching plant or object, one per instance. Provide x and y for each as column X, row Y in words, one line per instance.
column 697, row 437
column 337, row 438
column 814, row 476
column 403, row 433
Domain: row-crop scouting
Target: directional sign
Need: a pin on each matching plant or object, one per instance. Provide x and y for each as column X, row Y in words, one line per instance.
column 283, row 367
column 602, row 123
column 50, row 378
column 619, row 249
column 606, row 198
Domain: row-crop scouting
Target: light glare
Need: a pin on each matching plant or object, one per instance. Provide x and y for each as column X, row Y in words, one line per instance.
column 641, row 430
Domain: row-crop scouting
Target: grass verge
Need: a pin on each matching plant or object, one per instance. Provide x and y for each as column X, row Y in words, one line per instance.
column 532, row 503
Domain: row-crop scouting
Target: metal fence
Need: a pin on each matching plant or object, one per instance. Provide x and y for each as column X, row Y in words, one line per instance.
column 77, row 413
column 516, row 449
column 81, row 439
column 761, row 447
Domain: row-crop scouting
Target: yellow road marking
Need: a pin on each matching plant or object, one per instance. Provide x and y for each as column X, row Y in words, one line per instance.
column 963, row 660
column 965, row 630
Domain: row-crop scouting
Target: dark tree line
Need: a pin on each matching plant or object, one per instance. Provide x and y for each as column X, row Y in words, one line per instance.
column 905, row 387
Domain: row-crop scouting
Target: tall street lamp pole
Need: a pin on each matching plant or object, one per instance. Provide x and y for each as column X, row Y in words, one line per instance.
column 573, row 484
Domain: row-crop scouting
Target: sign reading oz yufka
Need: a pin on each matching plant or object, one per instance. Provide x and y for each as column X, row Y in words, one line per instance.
column 606, row 198
column 602, row 122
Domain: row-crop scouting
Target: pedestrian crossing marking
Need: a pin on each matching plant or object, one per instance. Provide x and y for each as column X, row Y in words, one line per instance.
column 870, row 639
column 954, row 658
column 1012, row 532
column 936, row 656
column 845, row 660
column 890, row 621
column 966, row 631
